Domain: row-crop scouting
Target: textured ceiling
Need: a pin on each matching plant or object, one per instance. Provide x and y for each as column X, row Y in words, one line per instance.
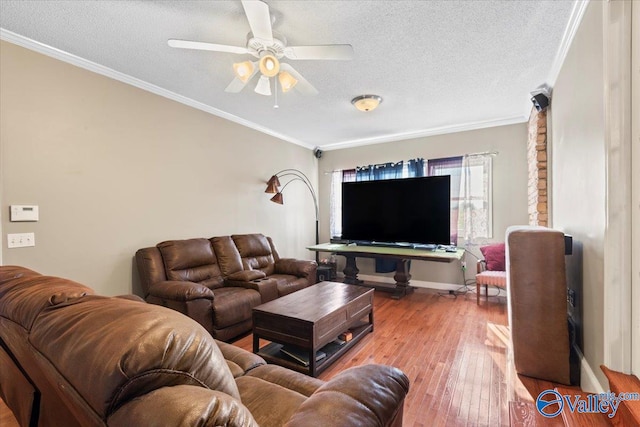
column 439, row 65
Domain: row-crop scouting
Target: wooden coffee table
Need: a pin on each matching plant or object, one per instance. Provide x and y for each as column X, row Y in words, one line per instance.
column 311, row 319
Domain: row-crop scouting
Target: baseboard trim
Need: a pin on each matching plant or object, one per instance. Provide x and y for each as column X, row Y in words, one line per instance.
column 588, row 379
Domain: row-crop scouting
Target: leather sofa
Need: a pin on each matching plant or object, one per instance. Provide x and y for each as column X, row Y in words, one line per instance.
column 218, row 281
column 71, row 358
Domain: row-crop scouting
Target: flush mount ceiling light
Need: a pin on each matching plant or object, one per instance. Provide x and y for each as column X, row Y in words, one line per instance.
column 366, row 102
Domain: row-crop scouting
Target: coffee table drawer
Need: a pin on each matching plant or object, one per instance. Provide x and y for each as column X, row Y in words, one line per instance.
column 292, row 331
column 330, row 327
column 360, row 307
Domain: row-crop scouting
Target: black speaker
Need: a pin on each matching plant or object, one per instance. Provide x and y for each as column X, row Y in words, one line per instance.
column 317, row 152
column 540, row 101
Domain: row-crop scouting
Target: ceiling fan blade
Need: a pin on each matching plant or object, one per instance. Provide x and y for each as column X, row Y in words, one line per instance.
column 259, row 19
column 237, row 85
column 264, row 86
column 303, row 86
column 341, row 52
column 186, row 44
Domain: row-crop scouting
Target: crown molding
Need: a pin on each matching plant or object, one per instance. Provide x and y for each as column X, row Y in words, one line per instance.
column 69, row 58
column 427, row 132
column 575, row 19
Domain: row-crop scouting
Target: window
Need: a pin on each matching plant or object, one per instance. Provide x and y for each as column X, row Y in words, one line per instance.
column 476, row 216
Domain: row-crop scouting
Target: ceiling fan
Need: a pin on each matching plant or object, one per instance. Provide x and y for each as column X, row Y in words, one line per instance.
column 269, row 47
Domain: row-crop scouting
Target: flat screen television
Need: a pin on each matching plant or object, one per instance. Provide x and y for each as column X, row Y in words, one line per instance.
column 408, row 210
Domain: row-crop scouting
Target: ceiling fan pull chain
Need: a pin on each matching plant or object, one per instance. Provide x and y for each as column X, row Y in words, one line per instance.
column 275, row 105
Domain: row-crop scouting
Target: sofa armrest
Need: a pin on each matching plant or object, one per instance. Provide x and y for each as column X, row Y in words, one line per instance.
column 246, row 275
column 244, row 359
column 183, row 405
column 268, row 288
column 180, row 291
column 297, row 267
column 369, row 395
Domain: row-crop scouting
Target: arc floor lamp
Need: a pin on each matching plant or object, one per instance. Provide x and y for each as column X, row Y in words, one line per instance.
column 273, row 186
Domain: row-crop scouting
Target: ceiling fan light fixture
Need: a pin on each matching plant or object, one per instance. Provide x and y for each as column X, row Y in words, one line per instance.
column 243, row 70
column 366, row 102
column 269, row 65
column 287, row 81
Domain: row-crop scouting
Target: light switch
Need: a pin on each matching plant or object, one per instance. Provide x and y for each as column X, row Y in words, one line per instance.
column 21, row 240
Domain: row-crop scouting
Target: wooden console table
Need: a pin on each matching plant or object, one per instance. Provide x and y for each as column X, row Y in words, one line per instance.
column 401, row 255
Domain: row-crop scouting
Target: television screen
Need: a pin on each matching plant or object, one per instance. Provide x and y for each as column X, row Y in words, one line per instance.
column 408, row 210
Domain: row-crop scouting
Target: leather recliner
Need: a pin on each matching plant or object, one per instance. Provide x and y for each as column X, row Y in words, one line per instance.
column 71, row 358
column 218, row 281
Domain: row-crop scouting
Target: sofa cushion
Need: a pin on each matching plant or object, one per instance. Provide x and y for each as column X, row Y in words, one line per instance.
column 255, row 252
column 228, row 256
column 191, row 260
column 494, row 255
column 263, row 397
column 109, row 361
column 287, row 378
column 233, row 305
column 287, row 284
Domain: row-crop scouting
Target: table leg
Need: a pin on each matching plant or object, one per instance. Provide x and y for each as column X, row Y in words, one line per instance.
column 256, row 343
column 402, row 278
column 312, row 363
column 351, row 271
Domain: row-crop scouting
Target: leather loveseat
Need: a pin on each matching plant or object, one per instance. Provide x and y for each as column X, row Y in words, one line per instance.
column 218, row 281
column 71, row 358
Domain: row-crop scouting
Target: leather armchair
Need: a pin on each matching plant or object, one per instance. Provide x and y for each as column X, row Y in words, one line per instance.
column 537, row 303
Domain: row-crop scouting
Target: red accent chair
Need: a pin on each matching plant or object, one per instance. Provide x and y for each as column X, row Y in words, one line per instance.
column 491, row 270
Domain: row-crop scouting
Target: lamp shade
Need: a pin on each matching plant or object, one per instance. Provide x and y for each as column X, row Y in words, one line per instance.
column 264, row 86
column 287, row 81
column 269, row 65
column 272, row 185
column 243, row 70
column 277, row 198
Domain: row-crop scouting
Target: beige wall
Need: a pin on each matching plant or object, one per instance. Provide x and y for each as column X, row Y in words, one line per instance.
column 509, row 183
column 114, row 168
column 578, row 171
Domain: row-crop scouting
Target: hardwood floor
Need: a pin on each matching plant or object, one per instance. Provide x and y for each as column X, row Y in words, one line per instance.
column 454, row 353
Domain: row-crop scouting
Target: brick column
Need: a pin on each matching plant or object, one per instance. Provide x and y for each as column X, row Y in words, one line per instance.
column 537, row 159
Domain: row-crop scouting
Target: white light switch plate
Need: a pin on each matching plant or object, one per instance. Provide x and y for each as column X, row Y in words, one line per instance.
column 21, row 240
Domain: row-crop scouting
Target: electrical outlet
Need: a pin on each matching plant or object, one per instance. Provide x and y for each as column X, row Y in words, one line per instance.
column 21, row 240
